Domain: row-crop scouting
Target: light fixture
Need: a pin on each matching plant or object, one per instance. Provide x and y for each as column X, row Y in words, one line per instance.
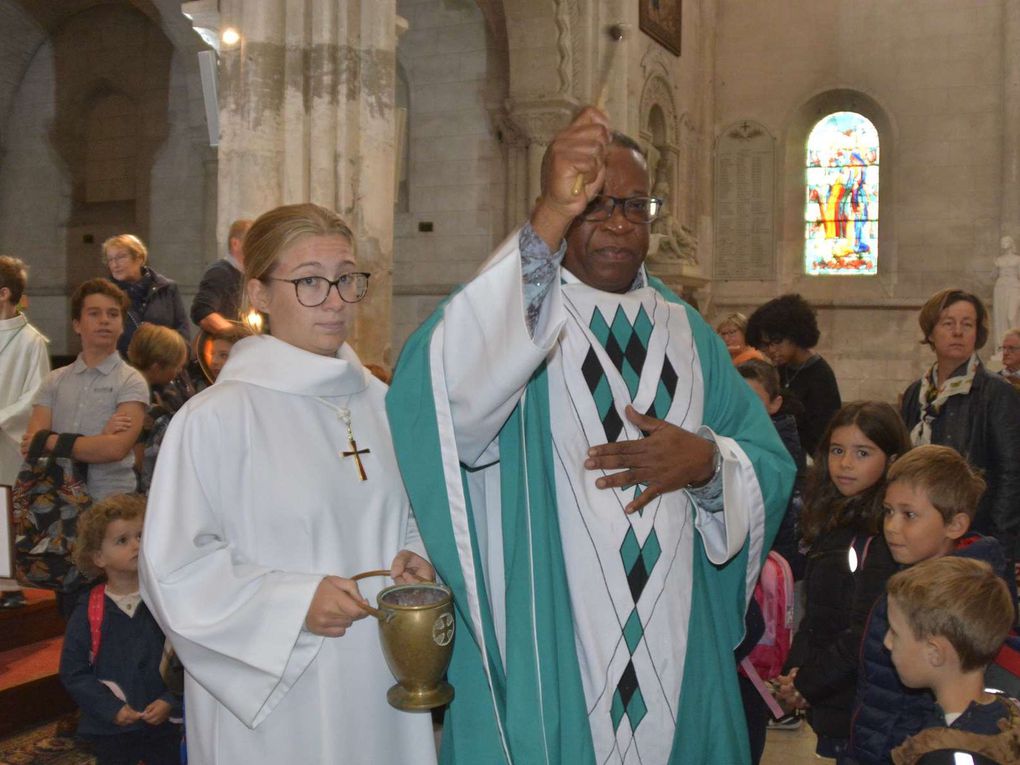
column 230, row 36
column 254, row 320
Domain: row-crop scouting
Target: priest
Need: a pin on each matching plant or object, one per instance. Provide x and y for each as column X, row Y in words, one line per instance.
column 593, row 480
column 273, row 488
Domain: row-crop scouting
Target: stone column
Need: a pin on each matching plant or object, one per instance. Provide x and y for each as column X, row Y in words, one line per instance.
column 539, row 121
column 1010, row 223
column 306, row 114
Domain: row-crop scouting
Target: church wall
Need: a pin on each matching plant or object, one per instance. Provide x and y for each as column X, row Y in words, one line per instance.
column 179, row 208
column 35, row 198
column 100, row 139
column 933, row 70
column 456, row 168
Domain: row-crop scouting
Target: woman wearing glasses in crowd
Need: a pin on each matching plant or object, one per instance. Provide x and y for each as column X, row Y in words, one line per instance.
column 154, row 298
column 1010, row 350
column 273, row 487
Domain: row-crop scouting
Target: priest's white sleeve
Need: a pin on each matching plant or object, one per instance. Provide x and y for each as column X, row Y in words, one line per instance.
column 237, row 626
column 488, row 353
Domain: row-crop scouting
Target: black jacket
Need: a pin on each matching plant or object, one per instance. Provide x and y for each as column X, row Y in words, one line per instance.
column 129, row 655
column 984, row 426
column 218, row 292
column 156, row 300
column 827, row 643
column 814, row 384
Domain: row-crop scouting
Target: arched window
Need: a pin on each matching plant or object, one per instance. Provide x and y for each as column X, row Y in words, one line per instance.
column 841, row 208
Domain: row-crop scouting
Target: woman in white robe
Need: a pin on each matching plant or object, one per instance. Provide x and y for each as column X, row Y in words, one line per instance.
column 257, row 518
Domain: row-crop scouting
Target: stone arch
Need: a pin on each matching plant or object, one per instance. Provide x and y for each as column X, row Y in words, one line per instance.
column 791, row 193
column 658, row 94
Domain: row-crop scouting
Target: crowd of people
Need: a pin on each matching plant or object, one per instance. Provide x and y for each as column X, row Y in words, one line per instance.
column 595, row 474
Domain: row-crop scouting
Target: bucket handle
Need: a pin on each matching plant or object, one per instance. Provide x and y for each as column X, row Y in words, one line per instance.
column 381, row 615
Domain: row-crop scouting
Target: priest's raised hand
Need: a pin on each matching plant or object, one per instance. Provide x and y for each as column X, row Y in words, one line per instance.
column 335, row 606
column 668, row 458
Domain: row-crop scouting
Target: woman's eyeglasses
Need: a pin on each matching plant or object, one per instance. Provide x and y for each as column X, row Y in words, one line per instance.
column 313, row 291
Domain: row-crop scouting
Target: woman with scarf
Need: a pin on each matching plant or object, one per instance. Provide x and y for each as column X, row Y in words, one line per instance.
column 958, row 403
column 154, row 298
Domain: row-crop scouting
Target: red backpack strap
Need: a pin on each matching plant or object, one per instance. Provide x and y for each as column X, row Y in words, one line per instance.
column 97, row 605
column 1009, row 657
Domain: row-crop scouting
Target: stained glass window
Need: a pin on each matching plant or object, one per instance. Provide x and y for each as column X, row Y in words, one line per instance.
column 841, row 209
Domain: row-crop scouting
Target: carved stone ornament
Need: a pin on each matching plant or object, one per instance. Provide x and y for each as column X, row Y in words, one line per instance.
column 541, row 120
column 746, row 131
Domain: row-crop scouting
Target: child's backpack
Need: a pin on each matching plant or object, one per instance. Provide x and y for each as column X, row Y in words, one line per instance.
column 774, row 594
column 1003, row 674
column 48, row 498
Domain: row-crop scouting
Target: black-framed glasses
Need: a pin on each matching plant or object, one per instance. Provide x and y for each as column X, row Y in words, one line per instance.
column 313, row 291
column 635, row 209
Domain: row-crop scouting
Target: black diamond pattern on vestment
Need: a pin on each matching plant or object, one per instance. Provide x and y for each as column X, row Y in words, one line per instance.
column 614, row 351
column 628, row 683
column 637, row 578
column 591, row 369
column 636, row 353
column 613, row 425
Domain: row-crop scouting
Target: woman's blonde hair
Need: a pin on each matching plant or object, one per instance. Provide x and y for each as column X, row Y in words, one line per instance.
column 156, row 344
column 92, row 528
column 129, row 242
column 274, row 231
column 738, row 320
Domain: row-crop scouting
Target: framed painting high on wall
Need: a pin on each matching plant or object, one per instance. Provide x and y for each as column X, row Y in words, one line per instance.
column 6, row 533
column 660, row 20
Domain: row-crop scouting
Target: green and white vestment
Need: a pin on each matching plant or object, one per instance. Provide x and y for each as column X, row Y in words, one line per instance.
column 585, row 634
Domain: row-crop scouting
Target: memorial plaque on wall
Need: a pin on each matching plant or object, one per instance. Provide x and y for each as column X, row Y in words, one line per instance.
column 744, row 203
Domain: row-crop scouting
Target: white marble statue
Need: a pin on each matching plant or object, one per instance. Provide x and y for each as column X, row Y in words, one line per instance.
column 1006, row 297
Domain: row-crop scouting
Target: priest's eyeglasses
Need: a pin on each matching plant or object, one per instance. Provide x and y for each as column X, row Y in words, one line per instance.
column 635, row 209
column 313, row 291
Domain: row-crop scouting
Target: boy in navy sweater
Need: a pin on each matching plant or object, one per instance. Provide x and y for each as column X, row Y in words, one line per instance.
column 948, row 618
column 931, row 497
column 113, row 646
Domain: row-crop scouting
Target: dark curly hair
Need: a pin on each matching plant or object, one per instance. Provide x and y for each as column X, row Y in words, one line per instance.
column 786, row 317
column 825, row 508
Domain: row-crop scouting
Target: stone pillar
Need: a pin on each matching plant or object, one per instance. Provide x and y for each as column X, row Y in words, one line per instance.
column 539, row 121
column 306, row 114
column 1010, row 224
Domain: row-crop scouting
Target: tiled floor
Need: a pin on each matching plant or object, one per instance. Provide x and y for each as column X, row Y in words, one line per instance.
column 792, row 747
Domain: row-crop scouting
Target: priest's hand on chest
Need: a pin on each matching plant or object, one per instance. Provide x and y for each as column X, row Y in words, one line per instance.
column 335, row 606
column 667, row 459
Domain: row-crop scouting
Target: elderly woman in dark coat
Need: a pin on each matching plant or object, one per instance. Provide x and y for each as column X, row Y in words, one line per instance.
column 958, row 403
column 154, row 298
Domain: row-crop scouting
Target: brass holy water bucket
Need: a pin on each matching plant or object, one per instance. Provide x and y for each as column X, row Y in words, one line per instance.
column 416, row 629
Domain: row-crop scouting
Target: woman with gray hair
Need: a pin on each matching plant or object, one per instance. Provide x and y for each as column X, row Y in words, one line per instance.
column 154, row 298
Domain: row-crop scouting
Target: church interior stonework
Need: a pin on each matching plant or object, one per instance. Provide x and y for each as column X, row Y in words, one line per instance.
column 864, row 154
column 424, row 122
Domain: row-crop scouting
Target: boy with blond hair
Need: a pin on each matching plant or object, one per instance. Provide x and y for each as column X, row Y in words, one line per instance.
column 113, row 647
column 948, row 618
column 931, row 497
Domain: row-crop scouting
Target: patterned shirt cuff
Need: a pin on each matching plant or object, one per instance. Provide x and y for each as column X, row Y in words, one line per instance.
column 539, row 267
column 710, row 496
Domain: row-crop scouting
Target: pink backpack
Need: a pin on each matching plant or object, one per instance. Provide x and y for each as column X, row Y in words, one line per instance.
column 774, row 593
